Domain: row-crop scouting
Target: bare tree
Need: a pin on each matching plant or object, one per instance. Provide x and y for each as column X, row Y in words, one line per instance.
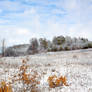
column 3, row 47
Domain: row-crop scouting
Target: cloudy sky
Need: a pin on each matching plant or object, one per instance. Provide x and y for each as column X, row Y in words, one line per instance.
column 21, row 20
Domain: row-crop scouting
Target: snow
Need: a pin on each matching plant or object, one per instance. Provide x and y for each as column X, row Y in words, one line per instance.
column 75, row 65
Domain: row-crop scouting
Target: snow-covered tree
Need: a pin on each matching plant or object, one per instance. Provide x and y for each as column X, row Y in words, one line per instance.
column 59, row 40
column 43, row 43
column 33, row 48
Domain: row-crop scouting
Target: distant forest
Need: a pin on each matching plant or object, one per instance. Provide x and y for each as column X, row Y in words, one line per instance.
column 58, row 43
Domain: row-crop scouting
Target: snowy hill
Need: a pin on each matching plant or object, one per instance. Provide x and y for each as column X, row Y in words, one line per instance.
column 75, row 65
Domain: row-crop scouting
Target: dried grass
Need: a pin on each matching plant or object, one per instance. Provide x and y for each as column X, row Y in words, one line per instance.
column 56, row 82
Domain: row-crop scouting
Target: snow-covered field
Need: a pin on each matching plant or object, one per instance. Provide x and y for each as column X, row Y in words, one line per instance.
column 75, row 65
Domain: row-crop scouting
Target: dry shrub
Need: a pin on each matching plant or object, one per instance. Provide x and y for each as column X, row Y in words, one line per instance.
column 29, row 80
column 56, row 82
column 4, row 87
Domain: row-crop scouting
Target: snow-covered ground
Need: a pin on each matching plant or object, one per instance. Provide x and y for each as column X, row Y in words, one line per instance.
column 75, row 65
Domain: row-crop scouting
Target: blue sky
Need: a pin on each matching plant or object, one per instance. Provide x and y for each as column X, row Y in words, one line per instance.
column 21, row 20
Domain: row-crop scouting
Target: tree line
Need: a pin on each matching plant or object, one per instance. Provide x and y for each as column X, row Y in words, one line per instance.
column 58, row 43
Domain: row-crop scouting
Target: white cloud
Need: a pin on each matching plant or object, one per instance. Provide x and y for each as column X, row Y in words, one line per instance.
column 30, row 11
column 15, row 35
column 4, row 21
column 29, row 23
column 10, row 6
column 71, row 4
column 58, row 11
column 22, row 31
column 80, row 30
